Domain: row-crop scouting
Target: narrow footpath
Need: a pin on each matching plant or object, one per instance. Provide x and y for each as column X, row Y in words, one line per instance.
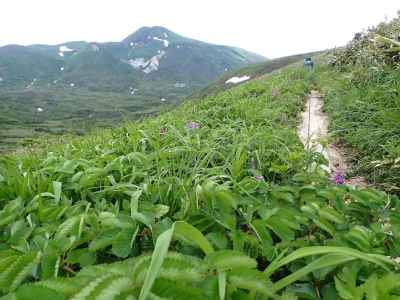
column 313, row 132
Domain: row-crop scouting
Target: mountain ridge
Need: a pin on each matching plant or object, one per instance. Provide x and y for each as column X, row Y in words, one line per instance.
column 77, row 85
column 146, row 50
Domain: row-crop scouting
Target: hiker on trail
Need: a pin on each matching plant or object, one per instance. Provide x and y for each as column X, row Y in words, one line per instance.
column 308, row 63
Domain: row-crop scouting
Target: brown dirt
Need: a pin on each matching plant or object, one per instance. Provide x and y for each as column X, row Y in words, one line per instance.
column 313, row 132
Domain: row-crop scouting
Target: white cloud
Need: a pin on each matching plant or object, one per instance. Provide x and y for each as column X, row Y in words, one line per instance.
column 272, row 28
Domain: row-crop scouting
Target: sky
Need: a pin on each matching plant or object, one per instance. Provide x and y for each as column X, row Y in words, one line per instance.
column 273, row 28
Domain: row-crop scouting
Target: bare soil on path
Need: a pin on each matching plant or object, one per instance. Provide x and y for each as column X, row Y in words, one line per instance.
column 313, row 132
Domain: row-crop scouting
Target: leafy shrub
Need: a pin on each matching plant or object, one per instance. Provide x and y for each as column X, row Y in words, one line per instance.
column 225, row 209
column 378, row 47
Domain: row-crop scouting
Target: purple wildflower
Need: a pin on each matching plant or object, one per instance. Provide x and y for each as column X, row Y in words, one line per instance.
column 192, row 125
column 338, row 177
column 259, row 178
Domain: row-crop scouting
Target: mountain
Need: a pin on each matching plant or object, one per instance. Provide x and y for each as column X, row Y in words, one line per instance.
column 150, row 53
column 74, row 86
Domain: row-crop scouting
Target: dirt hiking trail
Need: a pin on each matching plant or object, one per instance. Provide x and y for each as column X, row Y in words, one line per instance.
column 313, row 132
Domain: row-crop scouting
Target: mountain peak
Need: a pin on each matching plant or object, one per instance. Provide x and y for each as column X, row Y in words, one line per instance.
column 147, row 32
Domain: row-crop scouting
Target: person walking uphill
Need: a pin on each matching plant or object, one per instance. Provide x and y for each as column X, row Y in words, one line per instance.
column 308, row 63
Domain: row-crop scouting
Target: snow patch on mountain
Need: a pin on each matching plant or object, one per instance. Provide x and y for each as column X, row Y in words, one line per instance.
column 136, row 63
column 147, row 66
column 180, row 85
column 166, row 42
column 132, row 91
column 235, row 80
column 31, row 84
column 63, row 49
column 154, row 63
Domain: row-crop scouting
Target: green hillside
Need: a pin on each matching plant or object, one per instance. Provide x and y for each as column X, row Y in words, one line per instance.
column 76, row 86
column 217, row 199
column 363, row 101
column 138, row 58
column 252, row 71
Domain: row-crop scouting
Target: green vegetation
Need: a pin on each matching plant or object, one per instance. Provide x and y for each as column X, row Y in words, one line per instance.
column 217, row 195
column 217, row 199
column 253, row 71
column 99, row 84
column 365, row 119
column 74, row 111
column 362, row 98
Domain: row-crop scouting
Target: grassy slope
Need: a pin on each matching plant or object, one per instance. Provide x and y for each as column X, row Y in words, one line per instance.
column 364, row 108
column 240, row 179
column 66, row 112
column 37, row 76
column 254, row 71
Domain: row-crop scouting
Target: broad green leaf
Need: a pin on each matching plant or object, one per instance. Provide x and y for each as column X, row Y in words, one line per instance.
column 135, row 201
column 49, row 265
column 331, row 215
column 380, row 260
column 122, row 244
column 83, row 257
column 192, row 234
column 221, row 285
column 104, row 240
column 229, row 259
column 157, row 259
column 12, row 276
column 324, row 225
column 251, row 280
column 57, row 188
column 322, row 262
column 30, row 292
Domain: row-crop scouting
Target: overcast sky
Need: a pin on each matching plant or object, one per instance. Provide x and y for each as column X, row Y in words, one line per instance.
column 270, row 27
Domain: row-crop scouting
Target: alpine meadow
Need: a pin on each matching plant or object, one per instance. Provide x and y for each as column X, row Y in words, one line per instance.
column 212, row 194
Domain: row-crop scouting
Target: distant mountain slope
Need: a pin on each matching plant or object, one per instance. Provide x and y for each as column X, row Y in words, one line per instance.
column 150, row 53
column 74, row 86
column 229, row 79
column 20, row 65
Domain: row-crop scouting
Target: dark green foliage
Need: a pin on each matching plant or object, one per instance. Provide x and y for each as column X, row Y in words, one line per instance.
column 363, row 102
column 378, row 47
column 214, row 200
column 365, row 115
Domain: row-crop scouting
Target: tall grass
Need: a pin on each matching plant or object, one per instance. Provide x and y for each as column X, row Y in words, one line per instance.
column 214, row 200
